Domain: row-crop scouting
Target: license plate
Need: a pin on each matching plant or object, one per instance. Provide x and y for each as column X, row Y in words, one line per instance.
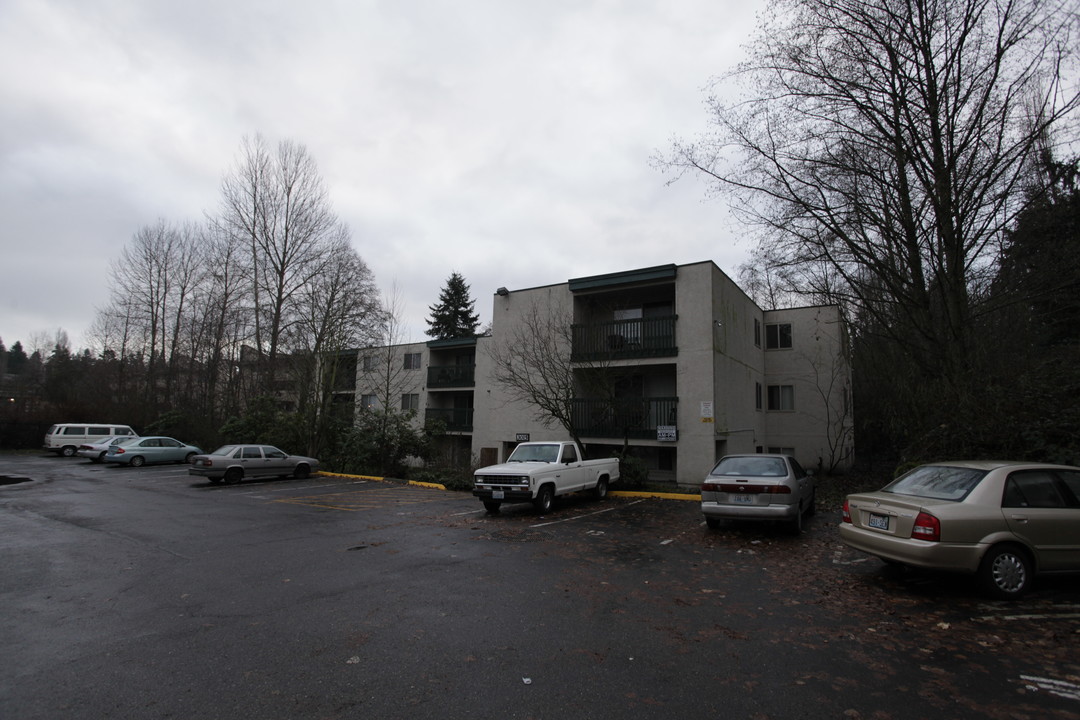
column 741, row 499
column 497, row 495
column 879, row 522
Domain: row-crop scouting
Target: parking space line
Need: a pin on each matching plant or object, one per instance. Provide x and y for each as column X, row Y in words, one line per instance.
column 581, row 517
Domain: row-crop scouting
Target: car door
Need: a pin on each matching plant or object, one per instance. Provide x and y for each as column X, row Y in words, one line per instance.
column 251, row 457
column 1041, row 510
column 804, row 480
column 277, row 462
column 171, row 451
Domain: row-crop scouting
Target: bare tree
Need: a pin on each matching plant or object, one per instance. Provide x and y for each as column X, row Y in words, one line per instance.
column 533, row 364
column 278, row 202
column 882, row 150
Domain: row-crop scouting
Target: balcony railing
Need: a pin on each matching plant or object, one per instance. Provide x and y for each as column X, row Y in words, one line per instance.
column 635, row 418
column 625, row 339
column 456, row 419
column 451, row 376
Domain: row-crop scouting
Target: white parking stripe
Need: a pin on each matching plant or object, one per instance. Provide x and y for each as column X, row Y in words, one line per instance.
column 1061, row 688
column 579, row 517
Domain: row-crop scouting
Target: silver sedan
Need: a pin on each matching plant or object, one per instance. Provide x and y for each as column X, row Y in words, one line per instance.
column 233, row 463
column 758, row 487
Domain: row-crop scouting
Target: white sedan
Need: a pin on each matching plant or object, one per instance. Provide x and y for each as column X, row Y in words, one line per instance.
column 96, row 451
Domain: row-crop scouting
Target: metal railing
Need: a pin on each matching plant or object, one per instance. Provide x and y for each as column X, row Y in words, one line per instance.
column 451, row 376
column 624, row 339
column 624, row 417
column 455, row 419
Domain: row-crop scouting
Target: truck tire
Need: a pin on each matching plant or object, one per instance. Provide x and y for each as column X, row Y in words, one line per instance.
column 600, row 491
column 545, row 499
column 492, row 506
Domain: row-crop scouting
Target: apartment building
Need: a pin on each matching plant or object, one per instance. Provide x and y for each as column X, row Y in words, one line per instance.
column 674, row 362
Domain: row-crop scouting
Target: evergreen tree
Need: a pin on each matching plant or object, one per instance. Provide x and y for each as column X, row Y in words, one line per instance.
column 454, row 315
column 17, row 358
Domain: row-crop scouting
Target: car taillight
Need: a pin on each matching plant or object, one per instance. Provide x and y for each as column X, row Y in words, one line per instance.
column 119, row 451
column 927, row 527
column 85, row 447
column 710, row 487
column 845, row 513
column 745, row 489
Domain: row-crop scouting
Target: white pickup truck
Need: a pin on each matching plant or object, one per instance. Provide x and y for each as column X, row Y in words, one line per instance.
column 537, row 472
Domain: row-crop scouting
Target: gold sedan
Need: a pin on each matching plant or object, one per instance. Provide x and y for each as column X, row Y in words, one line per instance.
column 1002, row 521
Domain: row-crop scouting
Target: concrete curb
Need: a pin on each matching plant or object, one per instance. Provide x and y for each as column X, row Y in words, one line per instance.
column 613, row 493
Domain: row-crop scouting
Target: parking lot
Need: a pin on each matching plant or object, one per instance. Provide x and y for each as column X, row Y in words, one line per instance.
column 143, row 592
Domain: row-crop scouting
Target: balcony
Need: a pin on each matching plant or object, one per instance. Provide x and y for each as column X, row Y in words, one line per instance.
column 635, row 418
column 625, row 339
column 451, row 376
column 455, row 419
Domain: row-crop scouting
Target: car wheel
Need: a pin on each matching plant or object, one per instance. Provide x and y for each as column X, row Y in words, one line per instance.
column 187, row 458
column 233, row 475
column 302, row 472
column 99, row 458
column 545, row 499
column 137, row 461
column 713, row 523
column 1005, row 572
column 492, row 506
column 600, row 491
column 795, row 525
column 67, row 451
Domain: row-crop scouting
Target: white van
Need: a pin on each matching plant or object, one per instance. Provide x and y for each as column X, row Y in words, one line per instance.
column 64, row 439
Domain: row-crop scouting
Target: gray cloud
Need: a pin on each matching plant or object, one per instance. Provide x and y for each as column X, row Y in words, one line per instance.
column 505, row 141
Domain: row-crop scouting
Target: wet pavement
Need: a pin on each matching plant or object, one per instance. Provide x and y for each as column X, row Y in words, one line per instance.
column 146, row 593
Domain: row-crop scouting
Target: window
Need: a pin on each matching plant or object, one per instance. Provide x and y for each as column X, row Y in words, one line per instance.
column 74, row 431
column 757, row 395
column 272, row 453
column 1034, row 489
column 410, row 401
column 252, row 453
column 569, row 454
column 775, row 450
column 98, row 431
column 412, row 361
column 757, row 334
column 367, row 402
column 781, row 397
column 369, row 363
column 778, row 336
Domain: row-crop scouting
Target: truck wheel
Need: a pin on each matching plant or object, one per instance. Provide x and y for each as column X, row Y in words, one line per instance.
column 545, row 498
column 600, row 491
column 492, row 506
column 67, row 451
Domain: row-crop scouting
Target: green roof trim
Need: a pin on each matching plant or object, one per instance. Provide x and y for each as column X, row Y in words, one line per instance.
column 630, row 277
column 451, row 343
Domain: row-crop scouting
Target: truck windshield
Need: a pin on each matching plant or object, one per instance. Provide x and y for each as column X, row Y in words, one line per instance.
column 534, row 453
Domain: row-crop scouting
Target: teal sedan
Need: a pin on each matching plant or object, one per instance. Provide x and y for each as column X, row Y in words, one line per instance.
column 149, row 450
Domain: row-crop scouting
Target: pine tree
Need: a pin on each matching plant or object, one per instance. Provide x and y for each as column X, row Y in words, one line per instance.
column 454, row 315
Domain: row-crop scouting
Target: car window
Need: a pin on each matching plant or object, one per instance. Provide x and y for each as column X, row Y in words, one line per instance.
column 1034, row 489
column 124, row 431
column 99, row 431
column 751, row 467
column 937, row 482
column 152, row 442
column 226, row 450
column 273, row 452
column 169, row 442
column 74, row 430
column 1071, row 478
column 569, row 455
column 799, row 472
column 251, row 452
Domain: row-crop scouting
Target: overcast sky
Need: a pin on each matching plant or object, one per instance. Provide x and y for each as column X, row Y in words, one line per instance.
column 506, row 140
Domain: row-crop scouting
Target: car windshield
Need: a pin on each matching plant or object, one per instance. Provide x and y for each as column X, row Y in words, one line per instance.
column 224, row 450
column 937, row 482
column 751, row 467
column 534, row 453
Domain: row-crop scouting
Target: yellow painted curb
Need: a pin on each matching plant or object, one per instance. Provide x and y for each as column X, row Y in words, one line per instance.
column 358, row 477
column 437, row 486
column 661, row 495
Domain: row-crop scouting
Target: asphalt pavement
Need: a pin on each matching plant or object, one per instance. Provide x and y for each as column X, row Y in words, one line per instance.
column 147, row 593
